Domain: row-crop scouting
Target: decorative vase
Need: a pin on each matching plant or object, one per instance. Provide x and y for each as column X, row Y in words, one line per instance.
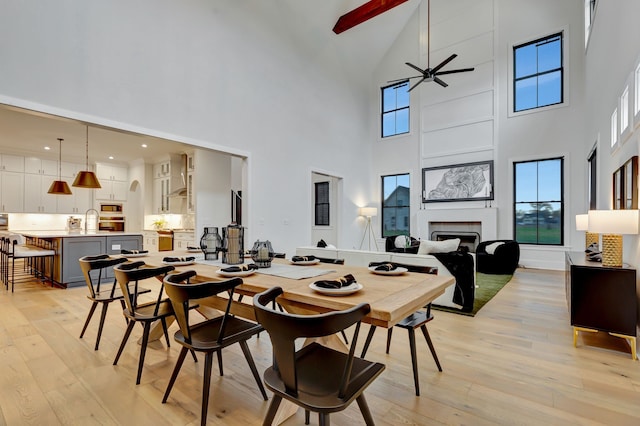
column 210, row 243
column 233, row 245
column 262, row 253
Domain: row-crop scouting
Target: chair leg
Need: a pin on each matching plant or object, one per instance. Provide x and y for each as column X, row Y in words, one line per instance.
column 389, row 333
column 219, row 355
column 344, row 336
column 193, row 354
column 143, row 349
column 206, row 385
column 273, row 409
column 414, row 359
column 431, row 348
column 364, row 409
column 174, row 375
column 307, row 415
column 89, row 315
column 166, row 331
column 127, row 333
column 324, row 419
column 252, row 365
column 367, row 342
column 103, row 317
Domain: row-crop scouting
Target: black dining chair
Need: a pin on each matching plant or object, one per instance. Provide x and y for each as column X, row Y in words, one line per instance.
column 210, row 336
column 99, row 293
column 417, row 320
column 315, row 377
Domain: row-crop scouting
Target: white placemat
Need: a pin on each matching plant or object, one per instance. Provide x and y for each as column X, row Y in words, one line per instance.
column 294, row 272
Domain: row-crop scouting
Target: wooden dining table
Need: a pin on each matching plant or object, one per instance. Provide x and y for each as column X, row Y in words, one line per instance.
column 391, row 297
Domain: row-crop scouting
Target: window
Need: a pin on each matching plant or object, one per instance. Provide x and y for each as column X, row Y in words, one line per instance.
column 538, row 73
column 637, row 97
column 624, row 110
column 322, row 204
column 395, row 109
column 395, row 205
column 589, row 14
column 593, row 178
column 614, row 127
column 538, row 208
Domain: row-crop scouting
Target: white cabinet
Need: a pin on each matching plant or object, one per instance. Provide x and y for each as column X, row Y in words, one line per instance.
column 162, row 169
column 81, row 199
column 183, row 239
column 12, row 196
column 38, row 166
column 191, row 206
column 150, row 240
column 114, row 182
column 36, row 198
column 11, row 163
column 161, row 195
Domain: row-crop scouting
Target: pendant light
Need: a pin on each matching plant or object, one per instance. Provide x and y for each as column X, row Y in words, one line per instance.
column 59, row 187
column 86, row 178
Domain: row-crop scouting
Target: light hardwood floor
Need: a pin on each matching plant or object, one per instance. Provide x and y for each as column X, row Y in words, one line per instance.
column 514, row 363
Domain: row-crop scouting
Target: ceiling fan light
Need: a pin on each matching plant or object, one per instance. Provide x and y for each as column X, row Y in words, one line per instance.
column 86, row 179
column 59, row 187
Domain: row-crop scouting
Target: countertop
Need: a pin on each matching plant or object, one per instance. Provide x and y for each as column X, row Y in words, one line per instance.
column 73, row 234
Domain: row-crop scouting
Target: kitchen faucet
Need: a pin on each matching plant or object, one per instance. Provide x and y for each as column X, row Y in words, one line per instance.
column 86, row 221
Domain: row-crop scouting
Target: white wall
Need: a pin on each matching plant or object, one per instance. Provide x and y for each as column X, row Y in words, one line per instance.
column 223, row 75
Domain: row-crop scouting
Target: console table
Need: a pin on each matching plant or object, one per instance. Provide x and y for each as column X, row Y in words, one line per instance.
column 601, row 298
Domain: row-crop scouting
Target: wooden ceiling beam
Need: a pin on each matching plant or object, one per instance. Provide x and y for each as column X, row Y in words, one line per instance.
column 363, row 13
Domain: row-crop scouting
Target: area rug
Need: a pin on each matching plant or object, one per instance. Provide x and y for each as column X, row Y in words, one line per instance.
column 488, row 285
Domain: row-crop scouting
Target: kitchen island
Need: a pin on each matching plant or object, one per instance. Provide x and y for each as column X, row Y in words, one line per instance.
column 72, row 245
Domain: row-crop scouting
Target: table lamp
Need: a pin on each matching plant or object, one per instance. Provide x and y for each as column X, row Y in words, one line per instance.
column 612, row 224
column 582, row 224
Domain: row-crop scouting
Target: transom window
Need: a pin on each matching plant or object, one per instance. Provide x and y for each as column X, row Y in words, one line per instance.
column 395, row 205
column 624, row 110
column 538, row 208
column 395, row 109
column 322, row 204
column 538, row 73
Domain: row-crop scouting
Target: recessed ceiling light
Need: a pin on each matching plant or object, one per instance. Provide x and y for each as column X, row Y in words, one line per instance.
column 144, row 145
column 111, row 157
column 46, row 148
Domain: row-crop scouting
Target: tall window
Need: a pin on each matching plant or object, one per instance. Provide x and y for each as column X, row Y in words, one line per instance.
column 395, row 109
column 614, row 127
column 589, row 14
column 538, row 201
column 538, row 73
column 593, row 178
column 637, row 97
column 624, row 110
column 322, row 203
column 395, row 205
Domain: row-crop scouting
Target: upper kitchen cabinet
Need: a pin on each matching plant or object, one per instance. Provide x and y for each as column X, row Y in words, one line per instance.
column 11, row 183
column 114, row 182
column 36, row 197
column 81, row 199
column 169, row 185
column 38, row 166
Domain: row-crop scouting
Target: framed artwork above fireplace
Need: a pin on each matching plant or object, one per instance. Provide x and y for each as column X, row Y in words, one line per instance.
column 458, row 182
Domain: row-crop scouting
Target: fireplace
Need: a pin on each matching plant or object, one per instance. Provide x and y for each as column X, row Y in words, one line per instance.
column 468, row 232
column 479, row 224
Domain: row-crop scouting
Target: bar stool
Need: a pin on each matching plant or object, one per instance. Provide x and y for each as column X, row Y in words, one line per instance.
column 35, row 261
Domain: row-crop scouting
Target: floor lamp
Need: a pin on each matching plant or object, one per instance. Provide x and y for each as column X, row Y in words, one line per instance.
column 368, row 212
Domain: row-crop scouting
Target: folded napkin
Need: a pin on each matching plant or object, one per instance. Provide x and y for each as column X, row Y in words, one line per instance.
column 178, row 259
column 303, row 258
column 241, row 268
column 345, row 281
column 383, row 266
column 123, row 251
column 193, row 248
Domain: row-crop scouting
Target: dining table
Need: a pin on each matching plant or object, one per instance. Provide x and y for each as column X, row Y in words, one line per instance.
column 392, row 297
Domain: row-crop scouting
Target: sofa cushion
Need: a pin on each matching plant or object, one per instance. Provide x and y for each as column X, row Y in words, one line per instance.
column 491, row 248
column 402, row 241
column 445, row 246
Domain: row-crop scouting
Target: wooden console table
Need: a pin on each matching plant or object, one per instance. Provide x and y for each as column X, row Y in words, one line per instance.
column 601, row 298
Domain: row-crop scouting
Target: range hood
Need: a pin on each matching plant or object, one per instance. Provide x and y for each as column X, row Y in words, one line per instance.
column 180, row 192
column 178, row 170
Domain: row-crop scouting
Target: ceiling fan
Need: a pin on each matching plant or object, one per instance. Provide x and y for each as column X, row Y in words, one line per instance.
column 431, row 74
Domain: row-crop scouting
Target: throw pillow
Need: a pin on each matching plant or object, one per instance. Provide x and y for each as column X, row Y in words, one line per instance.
column 491, row 248
column 445, row 246
column 402, row 241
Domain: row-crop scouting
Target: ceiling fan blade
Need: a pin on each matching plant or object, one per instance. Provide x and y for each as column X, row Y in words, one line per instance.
column 404, row 79
column 416, row 68
column 443, row 63
column 455, row 71
column 414, row 86
column 440, row 82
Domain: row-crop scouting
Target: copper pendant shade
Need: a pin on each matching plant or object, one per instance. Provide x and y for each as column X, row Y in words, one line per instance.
column 86, row 178
column 59, row 187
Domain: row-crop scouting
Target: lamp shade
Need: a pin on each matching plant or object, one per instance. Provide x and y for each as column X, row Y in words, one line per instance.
column 86, row 179
column 59, row 187
column 368, row 211
column 582, row 222
column 613, row 221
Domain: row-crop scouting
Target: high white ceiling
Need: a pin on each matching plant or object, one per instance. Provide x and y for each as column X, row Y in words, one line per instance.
column 361, row 49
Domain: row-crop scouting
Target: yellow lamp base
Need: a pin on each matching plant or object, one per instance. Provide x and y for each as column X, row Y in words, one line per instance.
column 612, row 250
column 590, row 238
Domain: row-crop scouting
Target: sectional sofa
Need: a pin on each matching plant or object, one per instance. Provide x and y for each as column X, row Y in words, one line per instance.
column 363, row 257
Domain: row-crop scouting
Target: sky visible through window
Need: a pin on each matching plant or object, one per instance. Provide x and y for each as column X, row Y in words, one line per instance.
column 538, row 73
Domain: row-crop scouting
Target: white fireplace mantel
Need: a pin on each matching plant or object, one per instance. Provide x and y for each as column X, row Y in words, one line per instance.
column 488, row 217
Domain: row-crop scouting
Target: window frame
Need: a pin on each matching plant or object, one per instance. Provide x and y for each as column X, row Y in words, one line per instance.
column 566, row 95
column 384, row 206
column 561, row 218
column 317, row 204
column 592, row 179
column 614, row 129
column 624, row 110
column 384, row 112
